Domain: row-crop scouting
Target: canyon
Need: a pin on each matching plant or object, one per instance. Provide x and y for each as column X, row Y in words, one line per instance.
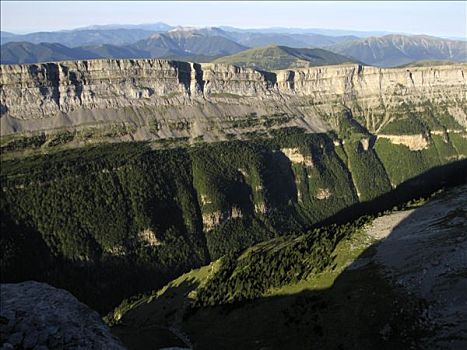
column 120, row 175
column 169, row 187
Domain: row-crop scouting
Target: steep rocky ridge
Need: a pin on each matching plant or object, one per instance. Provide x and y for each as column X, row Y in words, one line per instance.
column 164, row 99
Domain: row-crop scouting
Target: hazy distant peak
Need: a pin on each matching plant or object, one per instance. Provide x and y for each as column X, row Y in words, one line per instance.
column 182, row 29
column 157, row 26
column 205, row 31
column 398, row 49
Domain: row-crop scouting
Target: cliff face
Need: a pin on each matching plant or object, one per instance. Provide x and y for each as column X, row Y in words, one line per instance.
column 159, row 99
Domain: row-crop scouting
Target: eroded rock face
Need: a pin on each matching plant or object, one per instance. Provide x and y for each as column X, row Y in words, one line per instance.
column 294, row 155
column 323, row 193
column 166, row 99
column 35, row 315
column 212, row 219
column 413, row 142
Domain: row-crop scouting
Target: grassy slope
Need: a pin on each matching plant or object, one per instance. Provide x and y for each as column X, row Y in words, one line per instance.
column 282, row 57
column 428, row 63
column 311, row 311
column 165, row 306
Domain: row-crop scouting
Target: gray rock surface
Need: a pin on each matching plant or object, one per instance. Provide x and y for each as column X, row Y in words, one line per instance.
column 37, row 316
column 424, row 251
column 190, row 100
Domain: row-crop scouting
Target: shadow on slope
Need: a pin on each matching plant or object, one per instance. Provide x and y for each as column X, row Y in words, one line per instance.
column 405, row 292
column 360, row 311
column 375, row 302
column 355, row 313
column 423, row 185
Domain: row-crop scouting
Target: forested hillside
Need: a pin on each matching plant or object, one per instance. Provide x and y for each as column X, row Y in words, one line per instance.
column 113, row 220
column 331, row 287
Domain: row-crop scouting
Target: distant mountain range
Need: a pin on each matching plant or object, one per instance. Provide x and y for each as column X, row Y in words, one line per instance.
column 319, row 31
column 394, row 50
column 24, row 52
column 80, row 37
column 116, row 35
column 282, row 57
column 181, row 43
column 176, row 44
column 291, row 40
column 160, row 40
column 154, row 27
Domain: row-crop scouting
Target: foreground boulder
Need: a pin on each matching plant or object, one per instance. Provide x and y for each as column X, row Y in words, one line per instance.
column 35, row 315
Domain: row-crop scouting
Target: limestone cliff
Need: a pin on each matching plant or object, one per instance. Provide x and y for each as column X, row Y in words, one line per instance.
column 154, row 99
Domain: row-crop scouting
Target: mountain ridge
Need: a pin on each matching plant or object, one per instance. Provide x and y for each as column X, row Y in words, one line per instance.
column 173, row 45
column 208, row 43
column 189, row 43
column 81, row 37
column 26, row 52
column 275, row 57
column 396, row 50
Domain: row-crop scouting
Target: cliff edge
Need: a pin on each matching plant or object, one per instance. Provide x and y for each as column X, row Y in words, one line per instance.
column 152, row 99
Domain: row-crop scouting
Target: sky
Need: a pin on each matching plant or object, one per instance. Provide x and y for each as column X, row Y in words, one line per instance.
column 441, row 18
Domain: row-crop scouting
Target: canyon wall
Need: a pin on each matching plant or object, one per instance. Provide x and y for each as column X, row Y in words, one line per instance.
column 157, row 99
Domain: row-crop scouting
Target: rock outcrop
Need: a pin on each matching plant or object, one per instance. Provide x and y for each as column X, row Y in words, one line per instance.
column 37, row 316
column 413, row 142
column 157, row 99
column 294, row 155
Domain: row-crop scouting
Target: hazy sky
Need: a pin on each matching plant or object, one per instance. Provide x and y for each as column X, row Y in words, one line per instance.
column 436, row 18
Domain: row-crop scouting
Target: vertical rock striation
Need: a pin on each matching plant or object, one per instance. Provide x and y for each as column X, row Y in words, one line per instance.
column 147, row 91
